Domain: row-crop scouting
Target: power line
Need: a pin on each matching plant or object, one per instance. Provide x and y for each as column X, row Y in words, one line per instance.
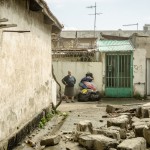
column 95, row 14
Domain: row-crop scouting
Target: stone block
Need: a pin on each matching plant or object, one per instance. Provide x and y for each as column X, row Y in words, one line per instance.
column 97, row 142
column 86, row 141
column 50, row 140
column 138, row 130
column 138, row 143
column 146, row 134
column 121, row 121
column 135, row 119
column 103, row 143
column 110, row 109
column 138, row 112
column 122, row 132
column 85, row 126
column 145, row 112
column 108, row 132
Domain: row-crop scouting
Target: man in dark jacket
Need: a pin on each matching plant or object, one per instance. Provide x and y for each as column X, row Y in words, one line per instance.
column 69, row 82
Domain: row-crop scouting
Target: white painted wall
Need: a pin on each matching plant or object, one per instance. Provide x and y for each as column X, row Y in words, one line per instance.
column 79, row 69
column 25, row 62
column 139, row 71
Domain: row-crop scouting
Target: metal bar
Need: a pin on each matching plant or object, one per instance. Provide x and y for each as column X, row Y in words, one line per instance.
column 121, row 71
column 111, row 70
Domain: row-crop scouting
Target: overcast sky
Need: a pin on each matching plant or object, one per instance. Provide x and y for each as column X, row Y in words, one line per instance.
column 73, row 14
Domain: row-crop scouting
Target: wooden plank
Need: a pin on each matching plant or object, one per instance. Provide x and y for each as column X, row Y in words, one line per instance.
column 20, row 31
column 3, row 20
column 7, row 25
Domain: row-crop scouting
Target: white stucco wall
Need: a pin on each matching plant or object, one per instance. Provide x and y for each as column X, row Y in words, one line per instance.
column 25, row 62
column 79, row 69
column 139, row 71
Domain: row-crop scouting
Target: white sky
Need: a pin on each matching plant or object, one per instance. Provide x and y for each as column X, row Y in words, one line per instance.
column 73, row 14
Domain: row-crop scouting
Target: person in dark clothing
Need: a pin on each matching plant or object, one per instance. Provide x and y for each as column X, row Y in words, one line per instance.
column 69, row 82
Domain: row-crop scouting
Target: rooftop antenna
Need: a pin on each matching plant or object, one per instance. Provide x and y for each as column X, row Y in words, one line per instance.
column 95, row 14
column 136, row 24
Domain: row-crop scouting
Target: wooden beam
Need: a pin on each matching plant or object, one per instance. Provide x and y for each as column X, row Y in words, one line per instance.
column 3, row 20
column 7, row 25
column 19, row 31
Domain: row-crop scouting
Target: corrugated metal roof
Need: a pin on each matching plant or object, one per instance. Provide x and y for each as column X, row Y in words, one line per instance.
column 114, row 45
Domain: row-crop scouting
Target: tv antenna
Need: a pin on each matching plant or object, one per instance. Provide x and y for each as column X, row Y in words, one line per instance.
column 95, row 14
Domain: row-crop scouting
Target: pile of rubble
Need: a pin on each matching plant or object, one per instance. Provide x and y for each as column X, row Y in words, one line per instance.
column 125, row 130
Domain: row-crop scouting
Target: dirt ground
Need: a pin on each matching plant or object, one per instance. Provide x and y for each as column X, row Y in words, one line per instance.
column 77, row 111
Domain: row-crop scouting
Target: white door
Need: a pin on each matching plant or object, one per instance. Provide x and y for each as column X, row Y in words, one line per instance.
column 148, row 76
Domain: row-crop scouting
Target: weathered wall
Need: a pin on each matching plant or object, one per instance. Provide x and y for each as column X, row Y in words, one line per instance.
column 139, row 71
column 142, row 51
column 79, row 69
column 25, row 62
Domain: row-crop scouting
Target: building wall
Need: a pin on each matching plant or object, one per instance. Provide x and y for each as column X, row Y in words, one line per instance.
column 25, row 62
column 139, row 71
column 79, row 69
column 142, row 52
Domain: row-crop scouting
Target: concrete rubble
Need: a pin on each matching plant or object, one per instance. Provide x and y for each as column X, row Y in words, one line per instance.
column 50, row 140
column 125, row 130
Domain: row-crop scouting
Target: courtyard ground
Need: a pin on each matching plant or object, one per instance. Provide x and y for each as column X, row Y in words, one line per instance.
column 78, row 111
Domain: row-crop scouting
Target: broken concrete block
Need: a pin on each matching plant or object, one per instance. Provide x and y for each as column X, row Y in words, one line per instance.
column 97, row 142
column 108, row 132
column 135, row 119
column 110, row 109
column 138, row 112
column 86, row 141
column 77, row 134
column 138, row 123
column 122, row 132
column 85, row 126
column 138, row 130
column 138, row 143
column 121, row 121
column 50, row 140
column 103, row 143
column 145, row 112
column 130, row 135
column 146, row 134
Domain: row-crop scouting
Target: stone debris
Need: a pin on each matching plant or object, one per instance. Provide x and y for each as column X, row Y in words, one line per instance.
column 138, row 143
column 121, row 121
column 85, row 126
column 125, row 130
column 110, row 109
column 50, row 140
column 108, row 132
column 143, row 111
column 122, row 132
column 146, row 134
column 30, row 143
column 97, row 142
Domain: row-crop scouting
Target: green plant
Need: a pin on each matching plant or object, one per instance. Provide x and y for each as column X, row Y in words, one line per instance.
column 49, row 116
column 41, row 125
